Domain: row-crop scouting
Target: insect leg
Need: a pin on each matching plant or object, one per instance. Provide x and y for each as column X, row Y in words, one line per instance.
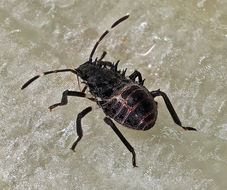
column 123, row 139
column 103, row 55
column 170, row 108
column 79, row 127
column 84, row 89
column 137, row 74
column 64, row 99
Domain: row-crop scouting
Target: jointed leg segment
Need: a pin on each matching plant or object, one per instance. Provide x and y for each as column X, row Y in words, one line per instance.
column 79, row 127
column 123, row 139
column 170, row 108
column 136, row 74
column 64, row 99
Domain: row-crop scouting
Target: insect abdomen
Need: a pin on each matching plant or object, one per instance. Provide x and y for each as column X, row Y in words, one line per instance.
column 132, row 107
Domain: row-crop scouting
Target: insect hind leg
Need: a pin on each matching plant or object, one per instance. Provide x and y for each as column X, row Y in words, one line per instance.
column 170, row 108
column 122, row 138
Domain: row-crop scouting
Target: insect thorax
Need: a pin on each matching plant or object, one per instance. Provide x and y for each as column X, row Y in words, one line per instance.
column 103, row 82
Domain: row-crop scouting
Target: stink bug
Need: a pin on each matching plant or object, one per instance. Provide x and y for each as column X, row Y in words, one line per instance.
column 124, row 99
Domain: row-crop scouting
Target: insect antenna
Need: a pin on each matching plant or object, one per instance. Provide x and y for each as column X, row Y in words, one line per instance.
column 46, row 73
column 90, row 58
column 105, row 33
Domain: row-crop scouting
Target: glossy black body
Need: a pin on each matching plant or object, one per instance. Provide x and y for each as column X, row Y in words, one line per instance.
column 125, row 100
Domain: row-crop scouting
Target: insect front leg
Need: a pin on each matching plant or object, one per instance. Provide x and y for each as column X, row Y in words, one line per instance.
column 170, row 108
column 123, row 139
column 84, row 89
column 136, row 74
column 102, row 56
column 65, row 95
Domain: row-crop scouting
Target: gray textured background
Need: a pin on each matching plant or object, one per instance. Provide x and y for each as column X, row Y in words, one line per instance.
column 179, row 46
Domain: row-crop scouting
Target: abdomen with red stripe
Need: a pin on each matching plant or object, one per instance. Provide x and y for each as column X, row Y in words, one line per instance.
column 133, row 106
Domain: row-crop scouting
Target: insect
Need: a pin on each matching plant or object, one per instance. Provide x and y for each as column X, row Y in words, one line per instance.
column 124, row 99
